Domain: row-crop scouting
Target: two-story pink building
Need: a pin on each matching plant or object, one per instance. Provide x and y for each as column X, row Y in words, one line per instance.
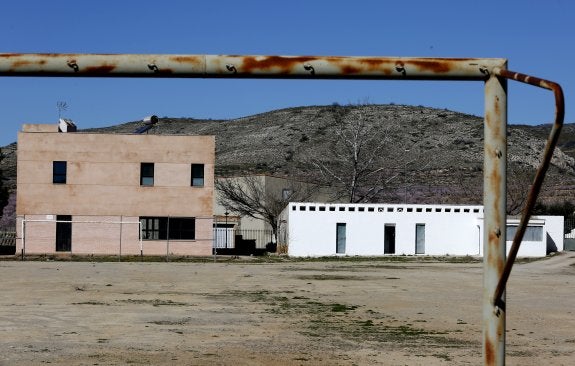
column 112, row 194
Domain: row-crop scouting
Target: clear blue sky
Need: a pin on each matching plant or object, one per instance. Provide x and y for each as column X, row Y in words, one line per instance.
column 537, row 37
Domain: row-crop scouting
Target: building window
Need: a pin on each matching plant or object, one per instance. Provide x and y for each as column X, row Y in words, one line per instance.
column 532, row 233
column 59, row 169
column 419, row 238
column 340, row 238
column 182, row 228
column 147, row 174
column 197, row 175
column 286, row 194
column 168, row 228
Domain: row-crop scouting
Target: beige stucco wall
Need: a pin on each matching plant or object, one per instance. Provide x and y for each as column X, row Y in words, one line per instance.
column 103, row 183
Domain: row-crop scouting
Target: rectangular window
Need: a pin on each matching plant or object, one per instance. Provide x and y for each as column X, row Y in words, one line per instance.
column 182, row 228
column 420, row 239
column 340, row 239
column 172, row 228
column 197, row 175
column 532, row 233
column 147, row 174
column 59, row 170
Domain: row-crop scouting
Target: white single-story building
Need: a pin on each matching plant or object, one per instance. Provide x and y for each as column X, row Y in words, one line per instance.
column 323, row 229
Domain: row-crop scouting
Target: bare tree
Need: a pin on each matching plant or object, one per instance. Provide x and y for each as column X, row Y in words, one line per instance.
column 355, row 167
column 248, row 196
column 518, row 186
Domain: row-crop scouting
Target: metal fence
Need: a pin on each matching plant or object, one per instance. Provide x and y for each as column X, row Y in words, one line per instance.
column 8, row 238
column 225, row 238
column 569, row 230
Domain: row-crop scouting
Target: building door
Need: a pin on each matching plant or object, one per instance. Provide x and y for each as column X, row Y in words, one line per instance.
column 63, row 233
column 420, row 239
column 340, row 239
column 389, row 239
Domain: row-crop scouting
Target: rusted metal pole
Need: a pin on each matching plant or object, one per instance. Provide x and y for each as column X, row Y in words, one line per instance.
column 494, row 200
column 229, row 66
column 540, row 175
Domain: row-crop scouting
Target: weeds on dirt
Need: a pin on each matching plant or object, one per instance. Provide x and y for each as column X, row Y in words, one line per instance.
column 347, row 322
column 155, row 302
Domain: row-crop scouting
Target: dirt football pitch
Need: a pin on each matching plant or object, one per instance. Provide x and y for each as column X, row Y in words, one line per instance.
column 398, row 311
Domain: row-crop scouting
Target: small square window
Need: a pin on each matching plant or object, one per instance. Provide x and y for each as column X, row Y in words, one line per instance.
column 351, row 209
column 361, row 209
column 476, row 210
column 447, row 210
column 322, row 208
column 390, row 209
column 437, row 210
column 419, row 209
column 466, row 210
column 312, row 208
column 302, row 208
column 342, row 208
column 409, row 209
column 147, row 174
column 59, row 172
column 456, row 210
column 293, row 208
column 428, row 209
column 332, row 208
column 370, row 209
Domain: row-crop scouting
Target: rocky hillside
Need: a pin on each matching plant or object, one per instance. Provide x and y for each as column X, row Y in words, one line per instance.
column 434, row 155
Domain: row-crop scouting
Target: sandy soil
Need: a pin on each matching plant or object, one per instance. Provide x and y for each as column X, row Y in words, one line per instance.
column 290, row 313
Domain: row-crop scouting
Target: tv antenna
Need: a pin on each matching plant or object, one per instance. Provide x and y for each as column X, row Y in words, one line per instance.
column 62, row 106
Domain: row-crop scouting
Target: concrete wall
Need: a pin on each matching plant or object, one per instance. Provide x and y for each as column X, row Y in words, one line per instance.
column 310, row 229
column 103, row 184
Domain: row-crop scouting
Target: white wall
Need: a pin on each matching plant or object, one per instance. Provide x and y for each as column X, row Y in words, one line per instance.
column 449, row 230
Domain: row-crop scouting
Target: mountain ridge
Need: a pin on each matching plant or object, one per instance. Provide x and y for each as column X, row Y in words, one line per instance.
column 438, row 152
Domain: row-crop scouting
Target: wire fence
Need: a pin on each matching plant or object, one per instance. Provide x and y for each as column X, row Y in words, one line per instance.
column 569, row 228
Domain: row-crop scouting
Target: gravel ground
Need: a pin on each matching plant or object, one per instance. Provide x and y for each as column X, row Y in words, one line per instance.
column 233, row 312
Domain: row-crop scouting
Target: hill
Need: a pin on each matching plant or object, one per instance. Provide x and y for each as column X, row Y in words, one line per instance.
column 435, row 155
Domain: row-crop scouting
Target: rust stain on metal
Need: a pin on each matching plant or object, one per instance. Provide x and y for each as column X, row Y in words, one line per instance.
column 103, row 69
column 434, row 66
column 261, row 63
column 187, row 59
column 489, row 352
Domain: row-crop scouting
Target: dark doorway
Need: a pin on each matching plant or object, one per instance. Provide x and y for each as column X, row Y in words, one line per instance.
column 63, row 233
column 389, row 239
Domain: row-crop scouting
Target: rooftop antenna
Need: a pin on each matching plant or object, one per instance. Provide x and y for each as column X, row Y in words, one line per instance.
column 62, row 106
column 64, row 124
